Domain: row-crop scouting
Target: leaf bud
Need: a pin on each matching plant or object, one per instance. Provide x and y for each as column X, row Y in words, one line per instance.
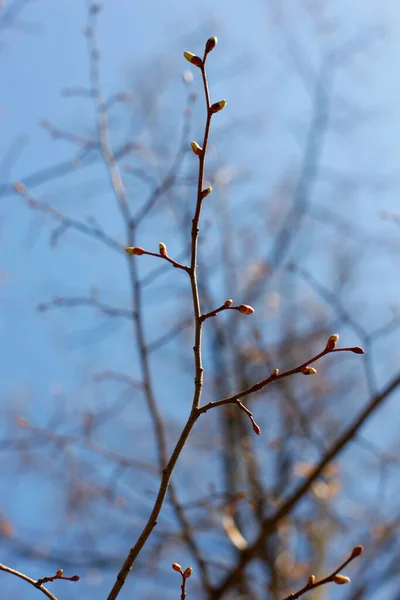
column 211, row 43
column 198, row 150
column 134, row 250
column 309, row 371
column 357, row 350
column 206, row 192
column 332, row 341
column 217, row 106
column 246, row 309
column 193, row 59
column 341, row 579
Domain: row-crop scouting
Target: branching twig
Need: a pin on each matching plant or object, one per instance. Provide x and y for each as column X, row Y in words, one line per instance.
column 334, row 577
column 36, row 584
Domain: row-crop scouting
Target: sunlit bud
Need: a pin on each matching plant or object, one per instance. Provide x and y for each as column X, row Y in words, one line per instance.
column 246, row 309
column 357, row 350
column 134, row 250
column 196, row 148
column 309, row 371
column 275, row 372
column 256, row 428
column 187, row 572
column 357, row 550
column 193, row 59
column 75, row 578
column 19, row 187
column 163, row 249
column 311, row 580
column 206, row 192
column 217, row 106
column 211, row 43
column 332, row 341
column 59, row 573
column 176, row 567
column 228, row 303
column 341, row 579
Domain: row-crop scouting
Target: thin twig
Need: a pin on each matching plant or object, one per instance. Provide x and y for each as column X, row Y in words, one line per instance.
column 29, row 580
column 312, row 583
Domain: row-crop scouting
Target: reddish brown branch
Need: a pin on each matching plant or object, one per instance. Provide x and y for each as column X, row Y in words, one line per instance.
column 334, row 577
column 35, row 584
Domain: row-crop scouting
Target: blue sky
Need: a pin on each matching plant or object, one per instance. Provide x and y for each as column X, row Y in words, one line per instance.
column 267, row 55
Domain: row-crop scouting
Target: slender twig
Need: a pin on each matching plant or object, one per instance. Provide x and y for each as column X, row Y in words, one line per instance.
column 120, row 193
column 270, row 523
column 72, row 302
column 275, row 376
column 29, row 580
column 67, row 222
column 334, row 577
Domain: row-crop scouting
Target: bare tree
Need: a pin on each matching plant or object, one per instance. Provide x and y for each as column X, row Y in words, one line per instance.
column 284, row 452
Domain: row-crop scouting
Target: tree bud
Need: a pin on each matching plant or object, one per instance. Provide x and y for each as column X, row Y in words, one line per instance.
column 341, row 579
column 211, row 43
column 309, row 371
column 246, row 309
column 193, row 59
column 198, row 150
column 218, row 106
column 134, row 250
column 332, row 341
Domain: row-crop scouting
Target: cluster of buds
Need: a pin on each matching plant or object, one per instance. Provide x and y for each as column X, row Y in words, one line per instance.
column 186, row 573
column 196, row 60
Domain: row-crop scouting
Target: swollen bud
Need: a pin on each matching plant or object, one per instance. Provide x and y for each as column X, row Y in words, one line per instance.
column 211, row 43
column 74, row 578
column 357, row 550
column 357, row 350
column 246, row 309
column 228, row 303
column 309, row 371
column 177, row 567
column 206, row 192
column 217, row 106
column 275, row 372
column 59, row 573
column 198, row 150
column 311, row 580
column 187, row 572
column 193, row 59
column 256, row 428
column 163, row 249
column 134, row 250
column 332, row 341
column 341, row 579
